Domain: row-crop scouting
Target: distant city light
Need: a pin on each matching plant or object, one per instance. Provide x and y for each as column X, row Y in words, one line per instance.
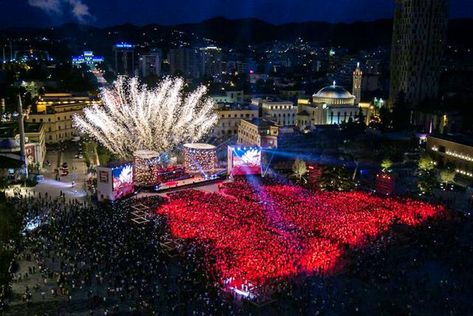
column 124, row 45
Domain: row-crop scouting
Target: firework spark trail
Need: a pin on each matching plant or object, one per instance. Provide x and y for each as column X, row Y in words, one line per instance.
column 135, row 117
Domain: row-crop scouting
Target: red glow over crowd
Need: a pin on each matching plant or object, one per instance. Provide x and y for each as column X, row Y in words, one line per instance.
column 256, row 233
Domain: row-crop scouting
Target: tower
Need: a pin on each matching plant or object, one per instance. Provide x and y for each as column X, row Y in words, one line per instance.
column 419, row 37
column 124, row 59
column 357, row 77
column 21, row 124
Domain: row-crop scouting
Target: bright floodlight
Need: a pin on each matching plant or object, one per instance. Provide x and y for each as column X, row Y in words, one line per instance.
column 134, row 117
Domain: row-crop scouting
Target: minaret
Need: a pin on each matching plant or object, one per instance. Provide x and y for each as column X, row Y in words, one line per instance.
column 357, row 77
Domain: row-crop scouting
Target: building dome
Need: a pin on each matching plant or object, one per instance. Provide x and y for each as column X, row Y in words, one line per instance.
column 334, row 95
column 335, row 92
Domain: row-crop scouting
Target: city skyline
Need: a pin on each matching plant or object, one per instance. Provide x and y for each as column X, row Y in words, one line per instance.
column 252, row 157
column 56, row 12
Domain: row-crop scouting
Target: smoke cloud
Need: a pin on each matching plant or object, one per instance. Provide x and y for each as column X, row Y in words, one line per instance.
column 49, row 6
column 78, row 9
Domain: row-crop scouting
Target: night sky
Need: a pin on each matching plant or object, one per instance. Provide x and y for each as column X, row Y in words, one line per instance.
column 112, row 12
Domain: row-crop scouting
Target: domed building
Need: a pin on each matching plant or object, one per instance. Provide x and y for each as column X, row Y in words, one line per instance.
column 331, row 105
column 334, row 95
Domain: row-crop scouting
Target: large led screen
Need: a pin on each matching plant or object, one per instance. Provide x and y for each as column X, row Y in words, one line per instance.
column 122, row 181
column 246, row 161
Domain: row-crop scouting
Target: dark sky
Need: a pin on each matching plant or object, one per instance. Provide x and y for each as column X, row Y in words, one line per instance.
column 111, row 12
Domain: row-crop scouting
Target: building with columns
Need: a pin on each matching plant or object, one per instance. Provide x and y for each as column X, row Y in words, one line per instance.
column 229, row 117
column 330, row 105
column 56, row 110
column 281, row 112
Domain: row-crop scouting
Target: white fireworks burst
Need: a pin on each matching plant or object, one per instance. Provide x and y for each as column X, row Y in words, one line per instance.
column 134, row 117
column 252, row 157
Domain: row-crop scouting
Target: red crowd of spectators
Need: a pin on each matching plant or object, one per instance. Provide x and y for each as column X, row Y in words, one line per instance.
column 254, row 233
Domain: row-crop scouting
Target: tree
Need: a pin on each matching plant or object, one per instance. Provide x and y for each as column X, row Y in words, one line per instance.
column 385, row 116
column 447, row 176
column 386, row 164
column 361, row 118
column 426, row 164
column 336, row 179
column 426, row 174
column 299, row 169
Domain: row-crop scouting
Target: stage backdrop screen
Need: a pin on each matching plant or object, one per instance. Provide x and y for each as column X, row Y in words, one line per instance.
column 122, row 181
column 246, row 161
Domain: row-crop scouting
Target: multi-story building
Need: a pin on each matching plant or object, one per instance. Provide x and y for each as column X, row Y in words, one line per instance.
column 35, row 143
column 258, row 132
column 212, row 64
column 453, row 149
column 150, row 63
column 186, row 62
column 88, row 59
column 437, row 121
column 229, row 117
column 124, row 59
column 331, row 105
column 281, row 112
column 232, row 96
column 55, row 111
column 419, row 37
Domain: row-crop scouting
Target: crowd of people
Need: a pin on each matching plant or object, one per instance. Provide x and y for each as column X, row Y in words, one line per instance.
column 255, row 233
column 311, row 253
column 93, row 257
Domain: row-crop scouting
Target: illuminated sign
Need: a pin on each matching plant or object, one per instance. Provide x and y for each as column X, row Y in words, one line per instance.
column 244, row 160
column 122, row 181
column 123, row 45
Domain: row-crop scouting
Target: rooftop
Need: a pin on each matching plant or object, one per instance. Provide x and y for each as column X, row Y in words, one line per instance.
column 274, row 100
column 235, row 107
column 262, row 122
column 8, row 130
column 456, row 138
column 199, row 146
column 32, row 127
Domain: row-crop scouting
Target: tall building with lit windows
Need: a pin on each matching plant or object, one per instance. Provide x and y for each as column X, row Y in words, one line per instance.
column 419, row 37
column 150, row 63
column 186, row 62
column 124, row 59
